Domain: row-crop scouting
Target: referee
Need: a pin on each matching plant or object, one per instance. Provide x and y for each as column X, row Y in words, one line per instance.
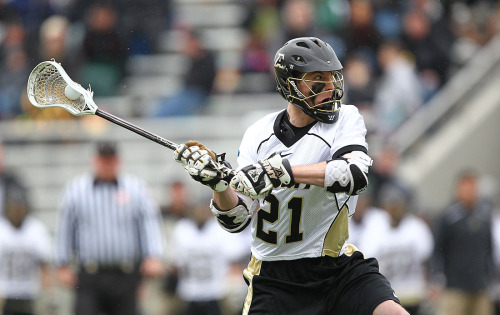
column 108, row 237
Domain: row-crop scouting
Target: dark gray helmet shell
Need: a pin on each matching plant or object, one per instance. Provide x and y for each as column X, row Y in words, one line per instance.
column 301, row 55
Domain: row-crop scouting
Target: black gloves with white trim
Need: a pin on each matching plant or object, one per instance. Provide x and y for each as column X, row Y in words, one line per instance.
column 256, row 180
column 259, row 179
column 204, row 166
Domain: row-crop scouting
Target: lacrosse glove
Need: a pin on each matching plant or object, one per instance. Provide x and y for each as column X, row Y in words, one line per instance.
column 203, row 165
column 259, row 179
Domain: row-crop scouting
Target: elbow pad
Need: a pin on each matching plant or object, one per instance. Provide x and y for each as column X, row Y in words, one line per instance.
column 348, row 174
column 233, row 220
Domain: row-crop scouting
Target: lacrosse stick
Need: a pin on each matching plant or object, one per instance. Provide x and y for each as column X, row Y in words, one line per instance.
column 47, row 86
column 50, row 86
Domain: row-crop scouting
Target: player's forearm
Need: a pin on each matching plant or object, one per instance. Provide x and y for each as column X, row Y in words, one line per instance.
column 226, row 200
column 313, row 174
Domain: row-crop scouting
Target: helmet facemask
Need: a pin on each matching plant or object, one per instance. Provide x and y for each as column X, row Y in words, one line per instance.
column 327, row 110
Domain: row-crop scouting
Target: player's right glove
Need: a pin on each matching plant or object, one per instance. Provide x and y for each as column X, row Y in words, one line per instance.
column 203, row 165
column 259, row 179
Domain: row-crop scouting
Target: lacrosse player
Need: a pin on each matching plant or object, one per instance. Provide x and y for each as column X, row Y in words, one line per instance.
column 25, row 253
column 300, row 171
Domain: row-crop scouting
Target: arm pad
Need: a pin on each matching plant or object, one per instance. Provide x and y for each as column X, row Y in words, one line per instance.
column 233, row 220
column 348, row 174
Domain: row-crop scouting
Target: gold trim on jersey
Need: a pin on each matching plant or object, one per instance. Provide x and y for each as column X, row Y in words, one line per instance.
column 337, row 234
column 251, row 270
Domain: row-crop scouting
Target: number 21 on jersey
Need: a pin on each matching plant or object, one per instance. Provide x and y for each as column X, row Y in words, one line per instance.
column 294, row 207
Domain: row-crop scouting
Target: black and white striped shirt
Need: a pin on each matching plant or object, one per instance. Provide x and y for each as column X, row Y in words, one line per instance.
column 107, row 223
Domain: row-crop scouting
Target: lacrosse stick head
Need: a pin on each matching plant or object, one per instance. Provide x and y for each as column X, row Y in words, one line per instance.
column 47, row 85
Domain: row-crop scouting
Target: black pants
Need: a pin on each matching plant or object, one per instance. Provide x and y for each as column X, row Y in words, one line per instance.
column 112, row 292
column 202, row 308
column 18, row 307
column 347, row 285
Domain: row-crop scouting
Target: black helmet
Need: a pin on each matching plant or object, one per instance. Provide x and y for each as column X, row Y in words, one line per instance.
column 309, row 54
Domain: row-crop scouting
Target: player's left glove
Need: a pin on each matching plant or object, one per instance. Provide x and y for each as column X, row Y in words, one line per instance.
column 204, row 165
column 259, row 179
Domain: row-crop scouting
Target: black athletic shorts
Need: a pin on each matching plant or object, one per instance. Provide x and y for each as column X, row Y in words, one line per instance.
column 345, row 285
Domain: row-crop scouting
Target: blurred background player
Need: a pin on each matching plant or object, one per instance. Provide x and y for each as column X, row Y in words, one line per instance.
column 403, row 244
column 205, row 259
column 25, row 253
column 109, row 229
column 366, row 218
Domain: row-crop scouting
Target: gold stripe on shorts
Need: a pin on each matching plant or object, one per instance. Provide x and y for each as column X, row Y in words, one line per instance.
column 251, row 270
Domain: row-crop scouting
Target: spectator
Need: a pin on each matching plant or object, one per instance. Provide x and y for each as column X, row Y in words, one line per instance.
column 262, row 17
column 109, row 227
column 24, row 251
column 56, row 43
column 104, row 52
column 143, row 23
column 297, row 20
column 403, row 245
column 140, row 22
column 255, row 74
column 255, row 57
column 29, row 14
column 197, row 83
column 359, row 78
column 14, row 70
column 473, row 26
column 360, row 34
column 332, row 15
column 387, row 17
column 399, row 92
column 429, row 42
column 462, row 263
column 204, row 254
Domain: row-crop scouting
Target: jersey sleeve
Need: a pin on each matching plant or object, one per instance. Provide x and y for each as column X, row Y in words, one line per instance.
column 247, row 152
column 351, row 133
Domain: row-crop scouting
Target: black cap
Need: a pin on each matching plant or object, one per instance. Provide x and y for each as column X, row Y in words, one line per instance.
column 106, row 148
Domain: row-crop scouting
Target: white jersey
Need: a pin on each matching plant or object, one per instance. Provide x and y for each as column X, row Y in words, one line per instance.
column 204, row 257
column 402, row 253
column 22, row 251
column 374, row 218
column 301, row 219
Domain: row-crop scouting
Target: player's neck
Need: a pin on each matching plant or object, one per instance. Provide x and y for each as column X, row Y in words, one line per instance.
column 297, row 117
